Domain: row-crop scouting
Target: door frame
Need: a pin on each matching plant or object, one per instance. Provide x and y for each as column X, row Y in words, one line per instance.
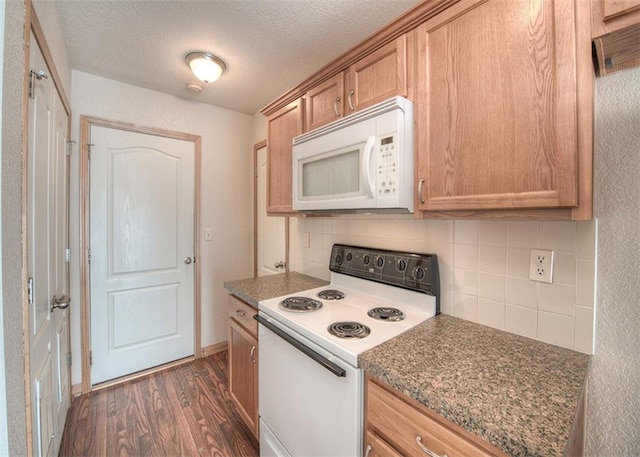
column 256, row 148
column 86, row 122
column 33, row 27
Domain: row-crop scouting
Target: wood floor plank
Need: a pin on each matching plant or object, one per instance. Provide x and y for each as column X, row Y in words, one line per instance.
column 181, row 404
column 181, row 411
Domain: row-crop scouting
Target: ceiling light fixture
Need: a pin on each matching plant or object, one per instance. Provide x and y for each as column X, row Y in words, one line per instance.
column 205, row 65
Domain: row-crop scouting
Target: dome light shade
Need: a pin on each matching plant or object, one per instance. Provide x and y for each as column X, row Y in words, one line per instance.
column 205, row 66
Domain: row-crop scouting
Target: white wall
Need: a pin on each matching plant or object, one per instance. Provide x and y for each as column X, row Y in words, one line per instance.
column 484, row 268
column 613, row 410
column 259, row 128
column 4, row 433
column 11, row 202
column 226, row 185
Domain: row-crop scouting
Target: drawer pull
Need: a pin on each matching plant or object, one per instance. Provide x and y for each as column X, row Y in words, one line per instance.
column 240, row 313
column 426, row 450
column 368, row 450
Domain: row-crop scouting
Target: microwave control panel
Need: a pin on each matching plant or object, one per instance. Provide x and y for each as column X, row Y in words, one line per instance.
column 388, row 172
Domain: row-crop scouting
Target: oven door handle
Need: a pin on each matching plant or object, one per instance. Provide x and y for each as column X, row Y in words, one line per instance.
column 326, row 363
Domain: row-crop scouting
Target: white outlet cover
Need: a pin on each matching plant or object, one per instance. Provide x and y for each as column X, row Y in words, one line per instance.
column 541, row 266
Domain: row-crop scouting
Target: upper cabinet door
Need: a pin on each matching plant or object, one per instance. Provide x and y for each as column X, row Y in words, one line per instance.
column 615, row 8
column 283, row 125
column 378, row 76
column 325, row 102
column 497, row 106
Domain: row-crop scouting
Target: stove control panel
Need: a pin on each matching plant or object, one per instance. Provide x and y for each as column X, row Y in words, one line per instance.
column 418, row 272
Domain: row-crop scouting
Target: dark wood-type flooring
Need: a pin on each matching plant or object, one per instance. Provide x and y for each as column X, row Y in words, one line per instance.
column 181, row 411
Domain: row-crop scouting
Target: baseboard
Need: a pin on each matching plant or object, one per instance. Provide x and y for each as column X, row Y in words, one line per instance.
column 214, row 348
column 205, row 351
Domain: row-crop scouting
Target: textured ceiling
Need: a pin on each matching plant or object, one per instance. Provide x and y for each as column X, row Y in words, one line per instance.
column 269, row 46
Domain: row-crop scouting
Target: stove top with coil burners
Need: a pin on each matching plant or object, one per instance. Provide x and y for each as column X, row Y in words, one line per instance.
column 397, row 292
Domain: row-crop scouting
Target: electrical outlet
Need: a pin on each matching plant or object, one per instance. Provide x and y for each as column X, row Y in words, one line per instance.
column 541, row 266
column 306, row 242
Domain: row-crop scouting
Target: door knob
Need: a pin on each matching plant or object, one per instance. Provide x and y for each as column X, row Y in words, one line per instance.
column 187, row 260
column 61, row 302
column 279, row 264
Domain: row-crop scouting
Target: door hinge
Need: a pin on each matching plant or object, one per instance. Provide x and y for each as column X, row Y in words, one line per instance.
column 30, row 290
column 89, row 146
column 69, row 359
column 67, row 255
column 33, row 75
column 89, row 256
column 70, row 143
column 90, row 357
column 31, row 83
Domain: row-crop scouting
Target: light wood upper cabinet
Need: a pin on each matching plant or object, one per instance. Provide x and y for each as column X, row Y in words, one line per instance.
column 617, row 8
column 283, row 125
column 372, row 79
column 324, row 103
column 378, row 76
column 615, row 28
column 497, row 106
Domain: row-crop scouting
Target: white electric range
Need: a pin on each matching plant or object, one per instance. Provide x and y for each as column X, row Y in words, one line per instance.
column 310, row 386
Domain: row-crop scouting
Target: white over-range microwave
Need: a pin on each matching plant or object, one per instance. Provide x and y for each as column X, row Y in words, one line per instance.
column 361, row 163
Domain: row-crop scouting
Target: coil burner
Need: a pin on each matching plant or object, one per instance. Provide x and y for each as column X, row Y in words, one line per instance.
column 331, row 294
column 386, row 314
column 300, row 304
column 349, row 330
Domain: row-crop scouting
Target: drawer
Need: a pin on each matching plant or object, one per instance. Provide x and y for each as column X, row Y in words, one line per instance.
column 400, row 423
column 243, row 313
column 377, row 447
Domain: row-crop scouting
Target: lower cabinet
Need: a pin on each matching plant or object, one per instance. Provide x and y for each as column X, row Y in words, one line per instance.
column 396, row 425
column 243, row 361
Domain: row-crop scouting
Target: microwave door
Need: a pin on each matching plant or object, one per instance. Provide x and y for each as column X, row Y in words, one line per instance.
column 334, row 178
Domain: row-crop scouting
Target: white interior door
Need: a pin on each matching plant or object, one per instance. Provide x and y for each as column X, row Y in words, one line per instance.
column 47, row 237
column 271, row 229
column 142, row 203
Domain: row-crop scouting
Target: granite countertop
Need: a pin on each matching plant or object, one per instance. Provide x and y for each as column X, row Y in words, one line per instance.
column 518, row 394
column 252, row 290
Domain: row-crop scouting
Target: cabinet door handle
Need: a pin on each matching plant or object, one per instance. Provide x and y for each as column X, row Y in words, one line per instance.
column 351, row 92
column 252, row 354
column 426, row 450
column 420, row 190
column 368, row 450
column 240, row 313
column 335, row 106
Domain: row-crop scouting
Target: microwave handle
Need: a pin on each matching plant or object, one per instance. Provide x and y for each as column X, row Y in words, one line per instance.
column 367, row 174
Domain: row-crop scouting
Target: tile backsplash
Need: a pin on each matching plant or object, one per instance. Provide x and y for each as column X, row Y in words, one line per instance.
column 484, row 268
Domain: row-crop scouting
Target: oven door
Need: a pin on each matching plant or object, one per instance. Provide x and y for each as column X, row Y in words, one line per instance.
column 311, row 402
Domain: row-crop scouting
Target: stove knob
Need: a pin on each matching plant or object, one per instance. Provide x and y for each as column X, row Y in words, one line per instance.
column 366, row 259
column 337, row 259
column 349, row 256
column 418, row 273
column 380, row 262
column 401, row 265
